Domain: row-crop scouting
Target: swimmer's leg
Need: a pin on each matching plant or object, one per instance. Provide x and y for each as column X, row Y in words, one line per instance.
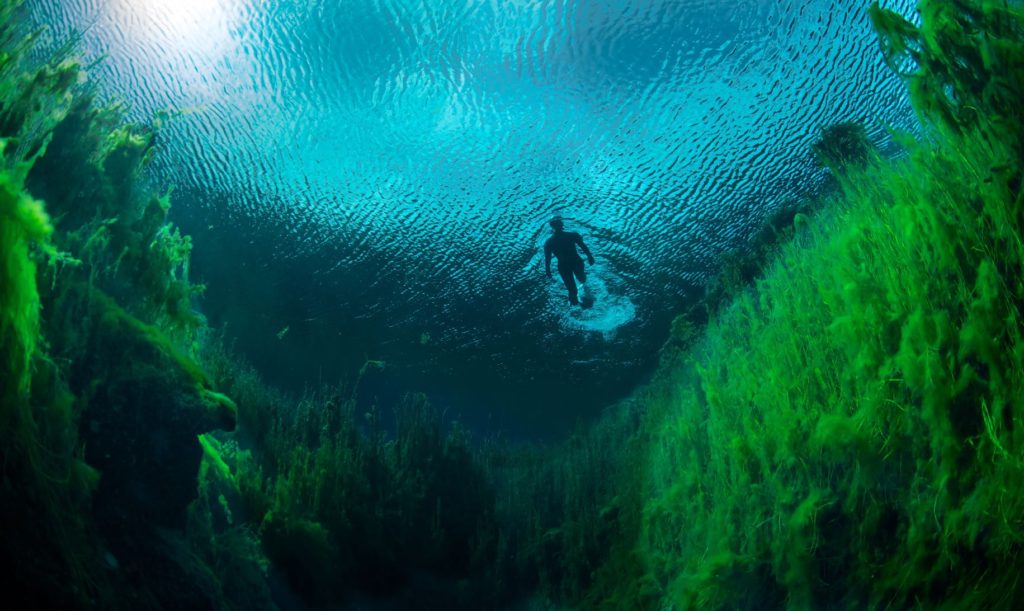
column 570, row 284
column 581, row 273
column 588, row 300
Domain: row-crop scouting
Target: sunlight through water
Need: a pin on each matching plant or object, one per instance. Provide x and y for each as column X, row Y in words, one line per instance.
column 367, row 172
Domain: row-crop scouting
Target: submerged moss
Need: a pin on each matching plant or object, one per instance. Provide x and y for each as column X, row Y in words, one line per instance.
column 96, row 328
column 848, row 432
column 24, row 224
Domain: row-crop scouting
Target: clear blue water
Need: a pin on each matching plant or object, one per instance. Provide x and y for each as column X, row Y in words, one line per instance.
column 373, row 179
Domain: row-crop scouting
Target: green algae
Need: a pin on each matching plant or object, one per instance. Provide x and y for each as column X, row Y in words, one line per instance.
column 385, row 507
column 45, row 480
column 844, row 146
column 493, row 522
column 24, row 223
column 847, row 432
column 96, row 323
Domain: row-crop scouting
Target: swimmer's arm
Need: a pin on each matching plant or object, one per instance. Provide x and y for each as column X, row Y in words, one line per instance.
column 583, row 247
column 547, row 257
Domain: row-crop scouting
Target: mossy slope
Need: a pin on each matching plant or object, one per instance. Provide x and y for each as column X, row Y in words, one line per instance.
column 849, row 432
column 101, row 399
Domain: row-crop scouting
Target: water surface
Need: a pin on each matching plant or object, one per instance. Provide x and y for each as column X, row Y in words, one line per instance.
column 372, row 180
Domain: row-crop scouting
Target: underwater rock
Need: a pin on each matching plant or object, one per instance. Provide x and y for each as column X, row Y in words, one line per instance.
column 147, row 404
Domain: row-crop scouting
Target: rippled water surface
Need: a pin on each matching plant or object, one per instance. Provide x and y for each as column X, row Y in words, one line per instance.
column 373, row 179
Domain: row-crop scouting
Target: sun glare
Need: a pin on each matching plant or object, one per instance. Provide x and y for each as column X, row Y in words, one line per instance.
column 198, row 25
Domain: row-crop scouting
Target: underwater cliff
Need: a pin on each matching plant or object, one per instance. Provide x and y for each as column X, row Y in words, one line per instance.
column 835, row 422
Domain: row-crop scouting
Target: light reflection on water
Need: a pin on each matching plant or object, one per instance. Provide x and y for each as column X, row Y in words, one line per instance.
column 402, row 155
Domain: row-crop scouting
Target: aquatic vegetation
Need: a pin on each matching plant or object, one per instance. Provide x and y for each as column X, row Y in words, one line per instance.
column 964, row 63
column 101, row 396
column 344, row 504
column 44, row 476
column 567, row 512
column 24, row 223
column 847, row 431
column 844, row 146
column 123, row 236
column 342, row 508
column 45, row 479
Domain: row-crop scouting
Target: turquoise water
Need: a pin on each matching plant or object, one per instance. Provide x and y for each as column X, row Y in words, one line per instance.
column 373, row 179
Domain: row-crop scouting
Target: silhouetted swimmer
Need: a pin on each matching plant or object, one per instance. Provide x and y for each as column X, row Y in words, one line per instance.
column 563, row 246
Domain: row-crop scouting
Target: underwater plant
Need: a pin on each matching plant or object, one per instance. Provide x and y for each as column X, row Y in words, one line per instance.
column 415, row 512
column 102, row 398
column 342, row 508
column 846, row 432
column 45, row 479
column 843, row 145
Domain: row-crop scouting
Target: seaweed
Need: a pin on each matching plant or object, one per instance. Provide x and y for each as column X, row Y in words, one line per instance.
column 377, row 509
column 346, row 507
column 847, row 430
column 45, row 479
column 842, row 146
column 101, row 396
